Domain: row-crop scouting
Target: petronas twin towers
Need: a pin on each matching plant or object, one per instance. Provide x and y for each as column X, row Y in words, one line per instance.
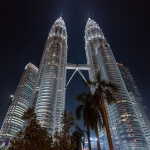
column 125, row 128
column 49, row 94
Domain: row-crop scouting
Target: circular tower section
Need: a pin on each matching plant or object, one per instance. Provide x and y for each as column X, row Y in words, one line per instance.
column 125, row 128
column 51, row 96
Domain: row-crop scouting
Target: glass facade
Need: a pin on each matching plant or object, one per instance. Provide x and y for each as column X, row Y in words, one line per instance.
column 124, row 125
column 51, row 81
column 137, row 101
column 44, row 89
column 20, row 103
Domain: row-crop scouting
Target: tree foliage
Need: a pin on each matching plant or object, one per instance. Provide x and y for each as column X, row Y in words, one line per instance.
column 91, row 115
column 32, row 137
column 79, row 137
column 64, row 140
column 104, row 92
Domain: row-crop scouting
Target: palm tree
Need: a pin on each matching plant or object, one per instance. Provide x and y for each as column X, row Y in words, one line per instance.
column 90, row 115
column 103, row 92
column 97, row 124
column 79, row 137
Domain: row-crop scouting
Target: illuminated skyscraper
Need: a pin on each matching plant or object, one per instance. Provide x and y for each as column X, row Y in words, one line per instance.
column 20, row 103
column 128, row 124
column 137, row 101
column 50, row 87
column 125, row 127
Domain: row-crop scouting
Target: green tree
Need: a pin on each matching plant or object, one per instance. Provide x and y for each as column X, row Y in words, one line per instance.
column 90, row 115
column 104, row 93
column 79, row 137
column 32, row 136
column 64, row 140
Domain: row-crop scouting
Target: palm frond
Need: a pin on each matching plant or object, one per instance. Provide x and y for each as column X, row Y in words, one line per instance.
column 97, row 119
column 80, row 130
column 83, row 97
column 91, row 83
column 111, row 86
column 79, row 111
column 98, row 76
column 110, row 97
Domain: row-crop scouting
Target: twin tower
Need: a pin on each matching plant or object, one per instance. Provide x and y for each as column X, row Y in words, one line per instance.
column 49, row 94
column 50, row 87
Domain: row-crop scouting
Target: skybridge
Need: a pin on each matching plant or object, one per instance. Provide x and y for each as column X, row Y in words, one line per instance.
column 77, row 68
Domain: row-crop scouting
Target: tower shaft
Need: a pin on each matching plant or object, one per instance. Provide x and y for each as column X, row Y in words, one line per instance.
column 20, row 103
column 125, row 128
column 52, row 79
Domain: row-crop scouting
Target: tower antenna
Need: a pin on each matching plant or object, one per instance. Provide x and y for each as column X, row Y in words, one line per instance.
column 88, row 15
column 61, row 15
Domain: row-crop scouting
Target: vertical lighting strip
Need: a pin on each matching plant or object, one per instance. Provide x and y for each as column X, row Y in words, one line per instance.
column 52, row 79
column 21, row 102
column 125, row 128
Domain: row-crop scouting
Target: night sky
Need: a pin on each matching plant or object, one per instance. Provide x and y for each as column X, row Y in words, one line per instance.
column 24, row 27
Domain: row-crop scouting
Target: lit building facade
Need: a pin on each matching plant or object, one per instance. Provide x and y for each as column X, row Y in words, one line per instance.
column 48, row 98
column 51, row 80
column 125, row 128
column 21, row 101
column 137, row 101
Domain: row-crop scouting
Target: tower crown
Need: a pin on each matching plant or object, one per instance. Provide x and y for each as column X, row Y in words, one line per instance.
column 58, row 29
column 92, row 30
column 30, row 65
column 60, row 22
column 91, row 24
